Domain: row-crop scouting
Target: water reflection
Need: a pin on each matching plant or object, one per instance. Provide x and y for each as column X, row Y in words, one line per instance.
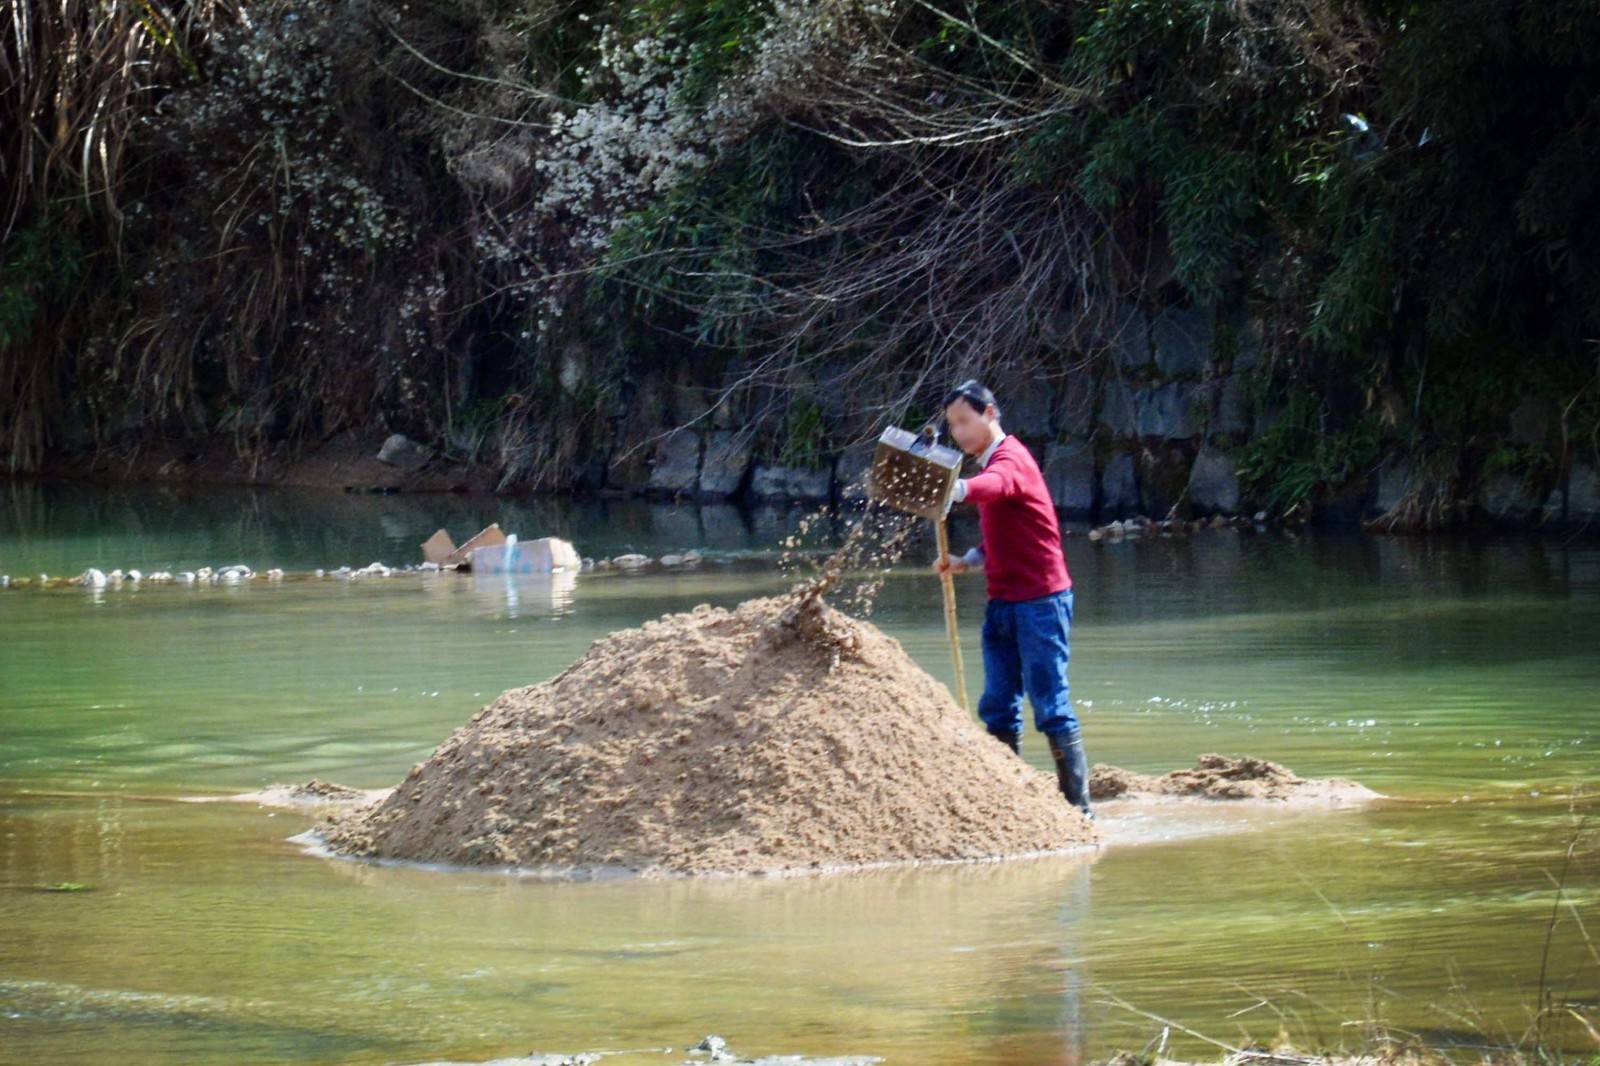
column 62, row 529
column 941, row 962
column 544, row 595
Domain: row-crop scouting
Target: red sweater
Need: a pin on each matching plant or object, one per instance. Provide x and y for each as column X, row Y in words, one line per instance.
column 1022, row 557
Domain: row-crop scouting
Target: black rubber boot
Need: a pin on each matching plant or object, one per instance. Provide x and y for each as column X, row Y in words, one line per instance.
column 1072, row 769
column 1010, row 738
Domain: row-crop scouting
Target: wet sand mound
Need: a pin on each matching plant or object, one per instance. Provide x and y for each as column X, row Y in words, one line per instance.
column 778, row 736
column 1224, row 777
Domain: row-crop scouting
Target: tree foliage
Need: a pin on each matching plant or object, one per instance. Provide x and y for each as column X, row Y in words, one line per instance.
column 456, row 215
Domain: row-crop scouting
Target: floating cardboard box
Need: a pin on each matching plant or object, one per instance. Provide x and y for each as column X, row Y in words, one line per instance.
column 543, row 555
column 440, row 550
column 493, row 552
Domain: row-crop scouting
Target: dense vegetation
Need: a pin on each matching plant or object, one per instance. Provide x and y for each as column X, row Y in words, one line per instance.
column 466, row 218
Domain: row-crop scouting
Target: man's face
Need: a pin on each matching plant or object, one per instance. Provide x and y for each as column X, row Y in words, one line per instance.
column 970, row 428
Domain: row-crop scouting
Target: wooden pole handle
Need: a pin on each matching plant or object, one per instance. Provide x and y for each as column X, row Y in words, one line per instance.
column 950, row 615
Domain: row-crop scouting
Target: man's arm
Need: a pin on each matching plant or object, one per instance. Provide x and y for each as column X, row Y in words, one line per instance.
column 998, row 480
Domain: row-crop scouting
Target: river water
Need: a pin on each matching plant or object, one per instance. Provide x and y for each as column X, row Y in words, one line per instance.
column 1461, row 678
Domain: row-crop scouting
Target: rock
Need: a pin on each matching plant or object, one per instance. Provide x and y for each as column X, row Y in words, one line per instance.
column 1119, row 414
column 1119, row 487
column 1025, row 406
column 1264, row 417
column 401, row 451
column 1578, row 504
column 677, row 463
column 1509, row 498
column 1130, row 339
column 1231, row 415
column 1214, row 483
column 1583, row 493
column 627, row 470
column 1069, row 475
column 1163, row 477
column 832, row 387
column 850, row 472
column 685, row 561
column 727, row 460
column 91, row 578
column 591, row 475
column 1245, row 335
column 631, row 561
column 715, row 1047
column 1182, row 341
column 692, row 403
column 1396, row 476
column 1530, row 421
column 1074, row 414
column 790, row 483
column 1167, row 411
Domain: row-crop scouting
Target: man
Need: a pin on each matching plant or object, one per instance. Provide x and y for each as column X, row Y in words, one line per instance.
column 1029, row 615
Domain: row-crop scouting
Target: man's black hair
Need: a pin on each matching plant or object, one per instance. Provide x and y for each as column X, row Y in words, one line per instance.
column 972, row 391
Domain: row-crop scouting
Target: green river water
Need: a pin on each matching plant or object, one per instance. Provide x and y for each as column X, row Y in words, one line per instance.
column 1459, row 678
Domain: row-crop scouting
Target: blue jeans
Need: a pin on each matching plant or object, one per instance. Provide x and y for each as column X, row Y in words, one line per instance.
column 1025, row 650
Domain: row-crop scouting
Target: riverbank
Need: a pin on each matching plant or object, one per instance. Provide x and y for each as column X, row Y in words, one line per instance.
column 664, row 287
column 1105, row 490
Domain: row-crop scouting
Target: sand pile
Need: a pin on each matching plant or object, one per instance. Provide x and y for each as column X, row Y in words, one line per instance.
column 1223, row 777
column 782, row 735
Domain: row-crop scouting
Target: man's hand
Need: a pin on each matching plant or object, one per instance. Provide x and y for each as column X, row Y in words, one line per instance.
column 957, row 494
column 950, row 564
